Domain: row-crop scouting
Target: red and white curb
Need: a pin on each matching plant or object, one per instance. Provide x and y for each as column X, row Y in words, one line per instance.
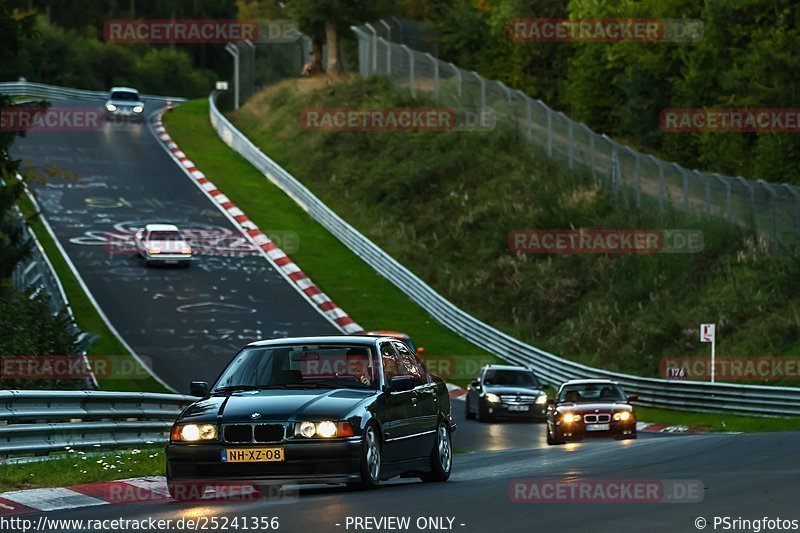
column 282, row 263
column 134, row 490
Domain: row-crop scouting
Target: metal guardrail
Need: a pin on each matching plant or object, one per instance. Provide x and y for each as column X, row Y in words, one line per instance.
column 41, row 90
column 42, row 422
column 687, row 395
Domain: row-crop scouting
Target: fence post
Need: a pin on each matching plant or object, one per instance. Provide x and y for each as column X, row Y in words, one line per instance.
column 549, row 132
column 685, row 186
column 774, row 196
column 411, row 67
column 708, row 194
column 458, row 77
column 435, row 76
column 374, row 48
column 748, row 185
column 593, row 153
column 569, row 146
column 388, row 57
column 662, row 189
column 482, row 81
column 728, row 197
column 638, row 179
column 529, row 113
column 796, row 194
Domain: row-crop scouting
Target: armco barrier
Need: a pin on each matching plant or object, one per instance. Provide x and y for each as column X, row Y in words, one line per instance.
column 48, row 421
column 687, row 395
column 41, row 90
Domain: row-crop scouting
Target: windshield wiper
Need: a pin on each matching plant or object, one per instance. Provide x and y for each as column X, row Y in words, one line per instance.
column 312, row 385
column 237, row 388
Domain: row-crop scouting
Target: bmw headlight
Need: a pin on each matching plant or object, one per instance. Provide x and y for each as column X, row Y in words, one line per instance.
column 541, row 399
column 138, row 109
column 153, row 251
column 325, row 429
column 193, row 432
column 111, row 107
column 622, row 416
column 569, row 418
column 492, row 398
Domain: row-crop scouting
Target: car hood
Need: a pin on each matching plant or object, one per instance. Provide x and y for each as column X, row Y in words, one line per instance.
column 279, row 405
column 504, row 389
column 599, row 407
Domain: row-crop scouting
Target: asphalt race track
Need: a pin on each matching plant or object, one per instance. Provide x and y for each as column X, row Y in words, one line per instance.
column 190, row 322
column 740, row 475
column 187, row 322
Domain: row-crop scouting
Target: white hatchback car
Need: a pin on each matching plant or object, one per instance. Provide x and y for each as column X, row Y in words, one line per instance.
column 163, row 244
column 124, row 102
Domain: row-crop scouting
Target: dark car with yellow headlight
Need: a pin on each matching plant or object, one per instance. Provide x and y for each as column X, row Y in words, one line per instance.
column 590, row 408
column 350, row 409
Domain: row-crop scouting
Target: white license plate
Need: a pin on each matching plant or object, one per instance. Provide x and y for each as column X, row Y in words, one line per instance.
column 598, row 427
column 518, row 407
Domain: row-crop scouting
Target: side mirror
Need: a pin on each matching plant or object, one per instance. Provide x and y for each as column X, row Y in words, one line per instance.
column 551, row 401
column 633, row 398
column 475, row 384
column 543, row 385
column 199, row 388
column 401, row 383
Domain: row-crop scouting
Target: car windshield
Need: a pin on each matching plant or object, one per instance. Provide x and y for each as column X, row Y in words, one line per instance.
column 165, row 236
column 301, row 366
column 126, row 96
column 591, row 392
column 511, row 378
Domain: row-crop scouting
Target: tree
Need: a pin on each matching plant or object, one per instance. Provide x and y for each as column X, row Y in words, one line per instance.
column 325, row 20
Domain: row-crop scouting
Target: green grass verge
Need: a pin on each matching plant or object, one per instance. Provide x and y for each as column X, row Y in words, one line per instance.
column 717, row 421
column 369, row 298
column 86, row 316
column 77, row 468
column 365, row 295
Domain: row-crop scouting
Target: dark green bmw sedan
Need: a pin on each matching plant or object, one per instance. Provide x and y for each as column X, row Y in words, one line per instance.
column 350, row 409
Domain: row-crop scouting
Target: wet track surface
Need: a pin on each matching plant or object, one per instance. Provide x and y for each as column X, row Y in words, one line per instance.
column 190, row 322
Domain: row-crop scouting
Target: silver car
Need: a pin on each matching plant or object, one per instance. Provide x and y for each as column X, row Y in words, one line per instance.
column 163, row 244
column 124, row 102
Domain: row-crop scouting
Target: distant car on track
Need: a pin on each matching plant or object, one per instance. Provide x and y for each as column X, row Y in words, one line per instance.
column 162, row 244
column 506, row 391
column 590, row 408
column 341, row 409
column 124, row 102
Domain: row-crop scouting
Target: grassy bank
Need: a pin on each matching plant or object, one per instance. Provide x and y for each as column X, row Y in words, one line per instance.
column 342, row 275
column 78, row 467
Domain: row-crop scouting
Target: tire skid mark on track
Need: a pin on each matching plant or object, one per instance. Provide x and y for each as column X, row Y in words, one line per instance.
column 280, row 261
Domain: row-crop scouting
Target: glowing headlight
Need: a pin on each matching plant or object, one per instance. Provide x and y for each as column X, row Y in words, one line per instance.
column 569, row 418
column 194, row 432
column 622, row 415
column 186, row 250
column 325, row 429
column 493, row 398
column 307, row 429
column 153, row 251
column 111, row 107
column 541, row 399
column 138, row 109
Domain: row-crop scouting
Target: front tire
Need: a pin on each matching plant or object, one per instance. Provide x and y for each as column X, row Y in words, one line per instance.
column 441, row 456
column 370, row 460
column 552, row 440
